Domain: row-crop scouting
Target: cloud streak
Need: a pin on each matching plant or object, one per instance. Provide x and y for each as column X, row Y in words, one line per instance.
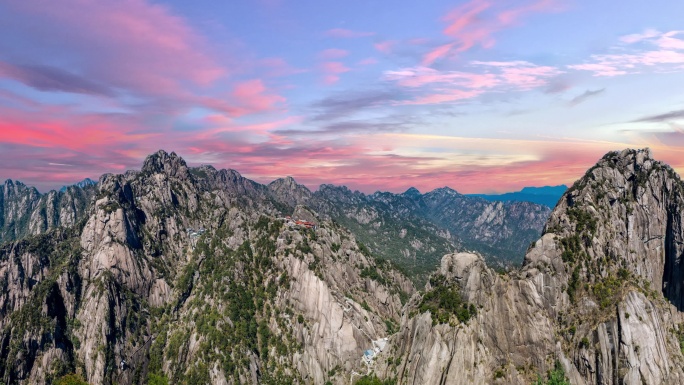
column 672, row 115
column 449, row 86
column 46, row 78
column 588, row 94
column 476, row 22
column 648, row 51
column 162, row 52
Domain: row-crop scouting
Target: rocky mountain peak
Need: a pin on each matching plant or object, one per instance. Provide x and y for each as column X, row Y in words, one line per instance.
column 600, row 298
column 287, row 182
column 624, row 217
column 85, row 183
column 442, row 191
column 289, row 191
column 412, row 192
column 163, row 162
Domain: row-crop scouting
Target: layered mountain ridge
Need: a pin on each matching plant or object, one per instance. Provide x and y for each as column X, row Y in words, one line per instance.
column 599, row 293
column 547, row 195
column 24, row 211
column 412, row 230
column 186, row 275
column 416, row 230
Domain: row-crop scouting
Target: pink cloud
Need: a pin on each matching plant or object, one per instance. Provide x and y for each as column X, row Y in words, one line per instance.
column 512, row 16
column 253, row 129
column 668, row 41
column 527, row 77
column 54, row 127
column 368, row 61
column 247, row 98
column 278, row 67
column 333, row 53
column 385, row 46
column 667, row 55
column 134, row 45
column 637, row 37
column 504, row 64
column 458, row 85
column 464, row 17
column 254, row 96
column 347, row 33
column 421, row 76
column 437, row 53
column 476, row 22
column 332, row 70
column 438, row 98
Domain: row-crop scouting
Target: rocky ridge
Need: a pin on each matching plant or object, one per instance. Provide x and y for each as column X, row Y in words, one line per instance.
column 24, row 211
column 415, row 230
column 193, row 275
column 187, row 275
column 599, row 293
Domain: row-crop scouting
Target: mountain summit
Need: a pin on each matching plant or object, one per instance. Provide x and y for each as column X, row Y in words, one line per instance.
column 597, row 300
column 178, row 274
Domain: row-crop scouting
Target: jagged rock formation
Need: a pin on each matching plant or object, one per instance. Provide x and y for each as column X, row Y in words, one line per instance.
column 85, row 183
column 24, row 211
column 191, row 275
column 415, row 230
column 186, row 275
column 600, row 293
column 497, row 229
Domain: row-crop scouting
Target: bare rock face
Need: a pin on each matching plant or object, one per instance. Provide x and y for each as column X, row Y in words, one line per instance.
column 497, row 229
column 187, row 274
column 190, row 275
column 288, row 191
column 25, row 212
column 414, row 230
column 600, row 293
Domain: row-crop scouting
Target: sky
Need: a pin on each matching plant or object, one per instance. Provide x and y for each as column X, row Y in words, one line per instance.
column 483, row 96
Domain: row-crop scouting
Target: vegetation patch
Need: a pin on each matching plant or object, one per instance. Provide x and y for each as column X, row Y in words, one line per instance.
column 556, row 376
column 444, row 302
column 374, row 380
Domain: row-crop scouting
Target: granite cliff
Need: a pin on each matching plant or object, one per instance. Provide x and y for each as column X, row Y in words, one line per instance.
column 175, row 274
column 598, row 296
column 191, row 275
column 24, row 211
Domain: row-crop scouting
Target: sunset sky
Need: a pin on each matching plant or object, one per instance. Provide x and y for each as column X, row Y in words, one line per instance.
column 481, row 95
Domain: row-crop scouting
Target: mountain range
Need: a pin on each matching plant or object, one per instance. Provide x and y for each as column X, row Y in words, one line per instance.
column 192, row 275
column 547, row 195
column 411, row 229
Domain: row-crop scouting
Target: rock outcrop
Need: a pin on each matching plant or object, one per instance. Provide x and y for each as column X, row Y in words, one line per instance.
column 25, row 212
column 187, row 275
column 599, row 293
column 414, row 230
column 194, row 275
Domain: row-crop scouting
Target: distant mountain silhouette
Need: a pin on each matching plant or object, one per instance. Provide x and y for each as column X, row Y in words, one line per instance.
column 82, row 184
column 547, row 195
